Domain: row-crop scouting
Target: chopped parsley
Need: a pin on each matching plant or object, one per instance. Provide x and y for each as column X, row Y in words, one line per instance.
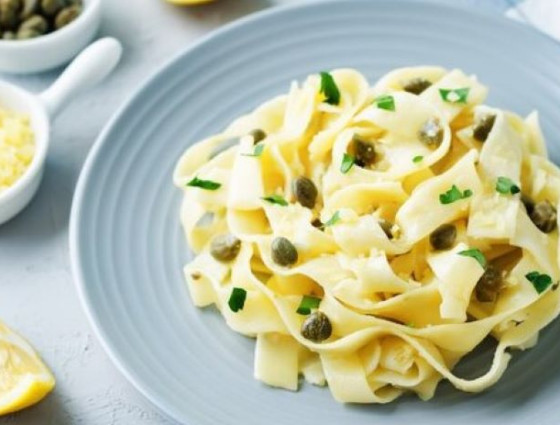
column 276, row 199
column 333, row 220
column 237, row 299
column 204, row 184
column 476, row 254
column 257, row 151
column 307, row 304
column 347, row 163
column 506, row 186
column 417, row 159
column 329, row 89
column 454, row 194
column 386, row 102
column 539, row 281
column 455, row 95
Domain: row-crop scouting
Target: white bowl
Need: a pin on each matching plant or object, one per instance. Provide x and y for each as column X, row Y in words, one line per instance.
column 90, row 67
column 53, row 49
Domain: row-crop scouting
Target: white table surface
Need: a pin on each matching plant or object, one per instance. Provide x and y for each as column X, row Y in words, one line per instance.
column 37, row 295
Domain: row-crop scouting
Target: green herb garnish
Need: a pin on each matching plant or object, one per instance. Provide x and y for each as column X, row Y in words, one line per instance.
column 204, row 184
column 455, row 95
column 386, row 102
column 347, row 163
column 329, row 89
column 417, row 159
column 276, row 199
column 506, row 186
column 237, row 299
column 476, row 254
column 257, row 151
column 307, row 304
column 539, row 281
column 333, row 220
column 454, row 194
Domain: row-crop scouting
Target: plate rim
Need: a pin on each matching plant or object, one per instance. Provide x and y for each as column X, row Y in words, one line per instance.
column 80, row 282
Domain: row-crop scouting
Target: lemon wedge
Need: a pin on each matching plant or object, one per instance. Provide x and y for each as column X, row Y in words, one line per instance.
column 24, row 378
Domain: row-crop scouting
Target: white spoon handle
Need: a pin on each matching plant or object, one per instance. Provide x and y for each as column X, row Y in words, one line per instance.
column 90, row 67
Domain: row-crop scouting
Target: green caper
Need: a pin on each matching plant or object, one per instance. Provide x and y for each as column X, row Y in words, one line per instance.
column 443, row 237
column 9, row 14
column 431, row 133
column 316, row 327
column 67, row 15
column 284, row 253
column 30, row 7
column 27, row 34
column 225, row 247
column 528, row 203
column 35, row 23
column 364, row 151
column 416, row 85
column 305, row 192
column 52, row 7
column 387, row 227
column 258, row 135
column 544, row 216
column 489, row 284
column 9, row 35
column 482, row 126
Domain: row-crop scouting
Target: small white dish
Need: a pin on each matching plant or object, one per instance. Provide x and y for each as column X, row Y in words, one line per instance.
column 53, row 49
column 89, row 68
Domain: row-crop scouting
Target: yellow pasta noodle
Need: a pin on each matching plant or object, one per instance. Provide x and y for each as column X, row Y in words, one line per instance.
column 369, row 237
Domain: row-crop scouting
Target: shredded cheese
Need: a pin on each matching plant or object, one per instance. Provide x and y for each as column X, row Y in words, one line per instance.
column 17, row 147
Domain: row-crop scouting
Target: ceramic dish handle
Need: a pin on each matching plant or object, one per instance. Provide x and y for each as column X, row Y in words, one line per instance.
column 90, row 67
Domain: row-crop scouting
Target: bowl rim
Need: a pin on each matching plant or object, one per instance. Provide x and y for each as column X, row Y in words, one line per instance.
column 90, row 8
column 36, row 114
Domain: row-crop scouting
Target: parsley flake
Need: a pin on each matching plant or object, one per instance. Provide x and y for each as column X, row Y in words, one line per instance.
column 257, row 151
column 276, row 199
column 506, row 186
column 454, row 194
column 237, row 299
column 417, row 159
column 347, row 163
column 455, row 95
column 329, row 89
column 386, row 102
column 539, row 281
column 204, row 184
column 307, row 304
column 476, row 254
column 333, row 220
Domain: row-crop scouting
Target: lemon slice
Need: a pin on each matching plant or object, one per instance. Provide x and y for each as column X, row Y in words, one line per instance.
column 24, row 378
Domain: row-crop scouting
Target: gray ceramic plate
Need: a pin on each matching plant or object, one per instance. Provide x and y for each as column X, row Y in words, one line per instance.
column 127, row 246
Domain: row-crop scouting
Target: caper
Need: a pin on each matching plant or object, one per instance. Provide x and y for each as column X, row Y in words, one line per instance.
column 431, row 133
column 67, row 15
column 443, row 237
column 416, row 85
column 489, row 284
column 544, row 216
column 284, row 253
column 36, row 23
column 27, row 34
column 387, row 227
column 52, row 7
column 305, row 192
column 30, row 7
column 364, row 151
column 482, row 126
column 317, row 223
column 225, row 247
column 528, row 203
column 9, row 14
column 9, row 35
column 258, row 135
column 316, row 327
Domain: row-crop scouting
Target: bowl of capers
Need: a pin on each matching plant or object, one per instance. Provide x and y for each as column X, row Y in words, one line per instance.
column 37, row 35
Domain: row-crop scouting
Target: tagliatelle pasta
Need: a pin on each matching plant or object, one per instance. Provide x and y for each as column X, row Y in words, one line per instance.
column 371, row 237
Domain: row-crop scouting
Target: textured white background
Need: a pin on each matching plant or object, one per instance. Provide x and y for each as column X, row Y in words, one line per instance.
column 37, row 295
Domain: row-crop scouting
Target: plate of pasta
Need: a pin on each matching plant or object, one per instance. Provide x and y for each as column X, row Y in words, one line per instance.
column 349, row 218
